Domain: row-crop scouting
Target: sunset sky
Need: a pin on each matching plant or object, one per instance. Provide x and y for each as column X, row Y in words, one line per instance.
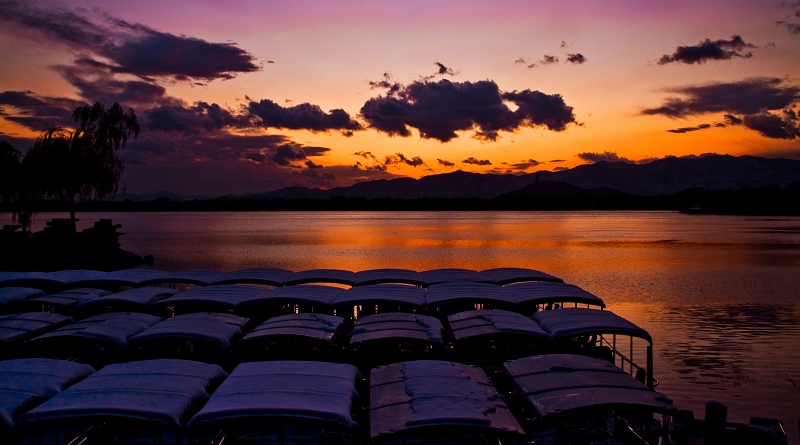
column 251, row 96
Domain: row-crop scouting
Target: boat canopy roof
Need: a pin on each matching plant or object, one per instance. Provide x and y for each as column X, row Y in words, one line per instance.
column 161, row 391
column 112, row 329
column 508, row 275
column 14, row 294
column 543, row 292
column 570, row 322
column 494, row 321
column 196, row 277
column 308, row 294
column 436, row 276
column 382, row 293
column 290, row 390
column 559, row 383
column 337, row 276
column 467, row 292
column 311, row 325
column 388, row 276
column 139, row 298
column 58, row 279
column 265, row 276
column 429, row 394
column 19, row 327
column 225, row 295
column 397, row 325
column 138, row 277
column 210, row 327
column 67, row 299
column 25, row 383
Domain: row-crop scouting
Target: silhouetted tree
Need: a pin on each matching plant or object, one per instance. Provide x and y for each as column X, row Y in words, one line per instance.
column 82, row 164
column 9, row 172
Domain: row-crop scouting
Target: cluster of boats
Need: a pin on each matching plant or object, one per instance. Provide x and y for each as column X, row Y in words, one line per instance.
column 259, row 356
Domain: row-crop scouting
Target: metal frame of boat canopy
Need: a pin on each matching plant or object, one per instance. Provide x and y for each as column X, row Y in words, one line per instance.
column 290, row 299
column 571, row 323
column 145, row 399
column 428, row 397
column 131, row 300
column 303, row 335
column 536, row 296
column 579, row 387
column 269, row 398
column 199, row 336
column 459, row 296
column 495, row 334
column 101, row 337
column 16, row 328
column 395, row 336
column 378, row 298
column 64, row 302
column 216, row 298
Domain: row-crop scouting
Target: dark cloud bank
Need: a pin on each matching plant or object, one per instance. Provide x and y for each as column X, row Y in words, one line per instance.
column 440, row 109
column 765, row 105
column 130, row 63
column 709, row 50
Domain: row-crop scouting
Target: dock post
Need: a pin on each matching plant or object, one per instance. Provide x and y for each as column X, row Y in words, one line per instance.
column 716, row 423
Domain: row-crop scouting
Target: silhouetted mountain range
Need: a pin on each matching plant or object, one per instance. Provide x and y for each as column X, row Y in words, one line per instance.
column 661, row 177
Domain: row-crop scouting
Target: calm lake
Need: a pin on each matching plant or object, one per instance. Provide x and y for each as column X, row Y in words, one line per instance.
column 719, row 294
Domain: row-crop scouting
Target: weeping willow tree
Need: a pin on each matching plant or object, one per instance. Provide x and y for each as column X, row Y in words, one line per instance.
column 81, row 164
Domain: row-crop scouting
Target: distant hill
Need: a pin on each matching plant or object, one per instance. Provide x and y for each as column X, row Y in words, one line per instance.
column 661, row 177
column 456, row 185
column 672, row 175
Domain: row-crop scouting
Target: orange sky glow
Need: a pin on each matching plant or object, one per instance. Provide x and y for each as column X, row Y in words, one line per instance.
column 723, row 76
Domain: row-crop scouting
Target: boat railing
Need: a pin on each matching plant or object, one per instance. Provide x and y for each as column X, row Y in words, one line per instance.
column 634, row 370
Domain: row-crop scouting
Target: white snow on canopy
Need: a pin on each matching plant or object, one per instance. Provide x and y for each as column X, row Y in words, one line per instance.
column 211, row 328
column 306, row 294
column 226, row 295
column 558, row 383
column 338, row 276
column 429, row 394
column 161, row 391
column 18, row 327
column 541, row 292
column 382, row 293
column 26, row 383
column 311, row 325
column 112, row 330
column 436, row 276
column 388, row 276
column 299, row 391
column 570, row 322
column 508, row 275
column 492, row 322
column 264, row 276
column 131, row 299
column 467, row 292
column 397, row 325
column 10, row 295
